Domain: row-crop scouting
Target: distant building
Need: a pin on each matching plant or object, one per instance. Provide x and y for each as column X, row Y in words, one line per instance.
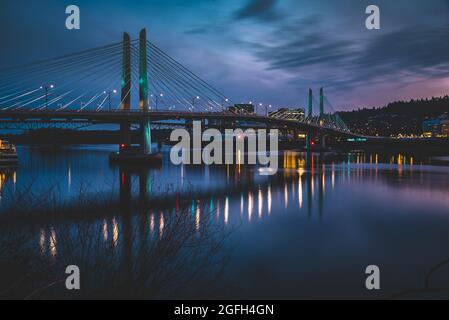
column 436, row 128
column 289, row 113
column 245, row 108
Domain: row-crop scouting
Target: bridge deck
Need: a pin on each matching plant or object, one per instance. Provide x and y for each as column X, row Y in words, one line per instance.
column 116, row 117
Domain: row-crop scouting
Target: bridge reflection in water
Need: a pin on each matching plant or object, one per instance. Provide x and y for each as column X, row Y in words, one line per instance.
column 300, row 184
column 209, row 197
column 244, row 197
column 303, row 178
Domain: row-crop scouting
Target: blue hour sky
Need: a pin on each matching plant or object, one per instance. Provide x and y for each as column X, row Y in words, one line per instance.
column 268, row 51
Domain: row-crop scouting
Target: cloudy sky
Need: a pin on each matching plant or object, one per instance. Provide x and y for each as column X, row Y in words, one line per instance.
column 268, row 51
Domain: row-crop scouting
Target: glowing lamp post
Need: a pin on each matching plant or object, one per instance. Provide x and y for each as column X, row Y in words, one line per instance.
column 47, row 88
column 193, row 101
column 225, row 100
column 109, row 97
column 157, row 100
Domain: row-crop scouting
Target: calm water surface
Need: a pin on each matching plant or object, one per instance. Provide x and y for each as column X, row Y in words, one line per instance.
column 308, row 232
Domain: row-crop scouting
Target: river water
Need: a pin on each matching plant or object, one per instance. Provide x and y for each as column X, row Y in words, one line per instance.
column 309, row 231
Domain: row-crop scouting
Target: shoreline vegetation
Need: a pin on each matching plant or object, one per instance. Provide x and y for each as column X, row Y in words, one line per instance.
column 147, row 252
column 397, row 118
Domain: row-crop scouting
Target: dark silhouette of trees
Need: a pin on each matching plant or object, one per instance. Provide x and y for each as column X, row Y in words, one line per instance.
column 399, row 117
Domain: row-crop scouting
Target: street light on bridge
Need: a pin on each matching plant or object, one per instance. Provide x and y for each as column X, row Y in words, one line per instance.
column 109, row 97
column 223, row 102
column 193, row 101
column 46, row 88
column 157, row 100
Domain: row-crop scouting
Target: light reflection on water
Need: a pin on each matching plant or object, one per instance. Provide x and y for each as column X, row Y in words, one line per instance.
column 48, row 242
column 347, row 208
column 115, row 232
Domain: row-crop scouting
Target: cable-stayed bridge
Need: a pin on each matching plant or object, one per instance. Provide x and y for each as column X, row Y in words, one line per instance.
column 130, row 83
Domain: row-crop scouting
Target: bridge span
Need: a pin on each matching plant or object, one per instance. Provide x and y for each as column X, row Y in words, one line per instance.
column 117, row 117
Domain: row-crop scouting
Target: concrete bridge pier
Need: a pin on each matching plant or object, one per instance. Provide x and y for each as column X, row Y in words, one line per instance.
column 224, row 125
column 310, row 136
column 189, row 126
column 323, row 141
column 125, row 134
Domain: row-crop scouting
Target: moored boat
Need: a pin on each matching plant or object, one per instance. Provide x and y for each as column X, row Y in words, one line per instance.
column 8, row 154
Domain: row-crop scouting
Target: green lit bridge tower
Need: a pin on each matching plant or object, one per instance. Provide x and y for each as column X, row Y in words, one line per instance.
column 309, row 116
column 310, row 112
column 320, row 120
column 321, row 103
column 322, row 117
column 125, row 134
column 143, row 92
column 128, row 153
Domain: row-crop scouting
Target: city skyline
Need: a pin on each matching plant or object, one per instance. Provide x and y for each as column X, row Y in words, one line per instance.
column 261, row 50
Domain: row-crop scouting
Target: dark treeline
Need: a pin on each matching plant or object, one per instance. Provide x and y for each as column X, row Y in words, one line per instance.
column 400, row 117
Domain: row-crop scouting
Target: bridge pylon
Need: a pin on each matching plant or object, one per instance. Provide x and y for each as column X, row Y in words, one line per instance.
column 310, row 112
column 143, row 92
column 128, row 153
column 125, row 105
column 143, row 71
column 321, row 103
